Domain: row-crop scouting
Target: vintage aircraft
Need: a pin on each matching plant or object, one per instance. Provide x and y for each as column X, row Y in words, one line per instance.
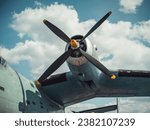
column 87, row 79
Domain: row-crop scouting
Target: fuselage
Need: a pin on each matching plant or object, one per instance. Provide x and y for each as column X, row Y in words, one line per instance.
column 18, row 94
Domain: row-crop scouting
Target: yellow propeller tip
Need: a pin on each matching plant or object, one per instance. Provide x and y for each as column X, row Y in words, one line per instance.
column 113, row 76
column 73, row 43
column 37, row 83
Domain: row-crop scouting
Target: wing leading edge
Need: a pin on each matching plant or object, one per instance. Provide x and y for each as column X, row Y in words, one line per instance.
column 128, row 83
column 66, row 90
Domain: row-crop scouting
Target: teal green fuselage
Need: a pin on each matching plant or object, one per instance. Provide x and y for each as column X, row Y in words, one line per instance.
column 18, row 94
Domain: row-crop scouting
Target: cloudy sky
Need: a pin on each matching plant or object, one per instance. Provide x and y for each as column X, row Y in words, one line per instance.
column 123, row 40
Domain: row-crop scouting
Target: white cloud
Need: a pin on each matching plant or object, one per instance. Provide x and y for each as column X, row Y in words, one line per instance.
column 141, row 31
column 39, row 55
column 37, row 3
column 134, row 105
column 129, row 6
column 124, row 41
column 30, row 22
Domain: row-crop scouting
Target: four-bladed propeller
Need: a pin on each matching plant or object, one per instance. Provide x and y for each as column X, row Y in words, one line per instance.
column 74, row 45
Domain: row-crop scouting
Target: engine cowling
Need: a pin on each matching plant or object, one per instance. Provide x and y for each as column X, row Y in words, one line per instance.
column 76, row 57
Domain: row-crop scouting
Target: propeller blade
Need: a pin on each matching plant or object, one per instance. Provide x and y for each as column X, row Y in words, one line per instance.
column 98, row 64
column 57, row 31
column 97, row 25
column 99, row 110
column 56, row 64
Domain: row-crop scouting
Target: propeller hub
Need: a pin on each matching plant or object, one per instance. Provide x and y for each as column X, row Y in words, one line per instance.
column 74, row 44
